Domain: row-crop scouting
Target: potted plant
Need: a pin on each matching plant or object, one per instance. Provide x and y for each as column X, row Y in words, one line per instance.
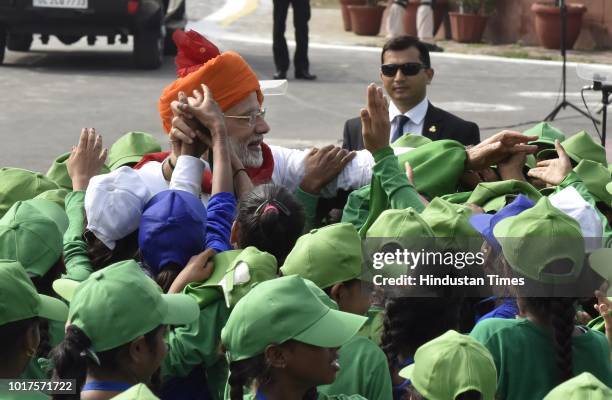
column 366, row 19
column 469, row 23
column 346, row 16
column 548, row 23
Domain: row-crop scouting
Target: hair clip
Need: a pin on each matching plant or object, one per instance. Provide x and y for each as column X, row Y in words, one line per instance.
column 272, row 204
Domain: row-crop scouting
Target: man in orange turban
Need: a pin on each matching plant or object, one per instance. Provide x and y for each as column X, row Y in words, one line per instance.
column 236, row 89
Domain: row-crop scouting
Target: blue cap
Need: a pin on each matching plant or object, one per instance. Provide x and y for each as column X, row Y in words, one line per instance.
column 484, row 223
column 172, row 229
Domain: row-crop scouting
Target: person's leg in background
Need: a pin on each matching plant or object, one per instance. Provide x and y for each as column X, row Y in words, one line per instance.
column 425, row 25
column 279, row 44
column 395, row 20
column 301, row 16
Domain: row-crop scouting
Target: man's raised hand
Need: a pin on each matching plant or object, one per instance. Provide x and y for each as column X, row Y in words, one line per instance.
column 375, row 120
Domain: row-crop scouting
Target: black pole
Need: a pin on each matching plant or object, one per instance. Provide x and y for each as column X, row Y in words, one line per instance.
column 563, row 46
column 564, row 103
column 606, row 90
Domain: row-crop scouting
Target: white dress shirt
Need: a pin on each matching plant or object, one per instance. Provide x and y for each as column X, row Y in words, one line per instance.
column 416, row 115
column 288, row 171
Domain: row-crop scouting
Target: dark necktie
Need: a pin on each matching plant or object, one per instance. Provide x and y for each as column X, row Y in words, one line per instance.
column 399, row 129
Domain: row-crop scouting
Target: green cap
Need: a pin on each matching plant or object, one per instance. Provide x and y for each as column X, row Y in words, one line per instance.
column 457, row 198
column 137, row 392
column 19, row 300
column 397, row 224
column 582, row 387
column 235, row 273
column 493, row 196
column 326, row 256
column 58, row 172
column 538, row 236
column 321, row 295
column 21, row 184
column 546, row 133
column 283, row 309
column 397, row 228
column 31, row 232
column 437, row 166
column 579, row 147
column 450, row 365
column 595, row 177
column 55, row 195
column 130, row 148
column 411, row 141
column 450, row 224
column 117, row 304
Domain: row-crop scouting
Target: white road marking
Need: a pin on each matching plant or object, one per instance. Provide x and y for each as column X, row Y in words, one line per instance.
column 465, row 106
column 232, row 10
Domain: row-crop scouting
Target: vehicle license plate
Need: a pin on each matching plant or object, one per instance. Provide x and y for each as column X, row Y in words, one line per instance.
column 80, row 4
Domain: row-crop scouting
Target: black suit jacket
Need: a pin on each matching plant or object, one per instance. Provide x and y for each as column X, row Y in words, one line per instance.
column 438, row 124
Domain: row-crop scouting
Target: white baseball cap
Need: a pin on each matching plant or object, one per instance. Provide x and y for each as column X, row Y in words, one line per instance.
column 114, row 204
column 570, row 202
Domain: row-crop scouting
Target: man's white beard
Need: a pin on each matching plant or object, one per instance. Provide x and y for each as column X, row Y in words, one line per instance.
column 250, row 158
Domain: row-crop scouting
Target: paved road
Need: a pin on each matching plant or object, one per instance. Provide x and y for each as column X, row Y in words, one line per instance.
column 48, row 94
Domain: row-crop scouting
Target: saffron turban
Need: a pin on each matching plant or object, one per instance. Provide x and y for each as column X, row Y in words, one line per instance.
column 198, row 61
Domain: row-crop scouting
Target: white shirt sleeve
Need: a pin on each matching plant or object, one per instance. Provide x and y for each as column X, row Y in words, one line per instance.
column 289, row 171
column 187, row 175
column 153, row 177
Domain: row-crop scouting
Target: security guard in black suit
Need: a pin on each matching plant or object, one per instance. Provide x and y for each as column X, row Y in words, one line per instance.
column 406, row 71
column 301, row 16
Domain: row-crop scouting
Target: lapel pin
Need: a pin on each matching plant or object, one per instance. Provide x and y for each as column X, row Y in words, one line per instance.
column 433, row 129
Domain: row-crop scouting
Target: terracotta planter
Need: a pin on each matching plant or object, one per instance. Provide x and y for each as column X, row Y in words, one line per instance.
column 467, row 28
column 366, row 20
column 548, row 24
column 410, row 21
column 346, row 17
column 410, row 18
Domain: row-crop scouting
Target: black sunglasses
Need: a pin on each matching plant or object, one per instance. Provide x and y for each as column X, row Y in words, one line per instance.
column 408, row 69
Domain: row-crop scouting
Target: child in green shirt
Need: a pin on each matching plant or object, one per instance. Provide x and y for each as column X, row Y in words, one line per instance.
column 534, row 354
column 21, row 310
column 281, row 338
column 331, row 258
column 115, row 339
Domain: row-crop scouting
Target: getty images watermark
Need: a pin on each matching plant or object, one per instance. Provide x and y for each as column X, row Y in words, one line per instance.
column 465, row 266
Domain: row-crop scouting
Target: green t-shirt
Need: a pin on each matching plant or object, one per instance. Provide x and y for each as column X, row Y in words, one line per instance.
column 198, row 344
column 525, row 357
column 363, row 370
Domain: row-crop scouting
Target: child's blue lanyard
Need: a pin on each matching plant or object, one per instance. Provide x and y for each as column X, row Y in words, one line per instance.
column 260, row 396
column 106, row 386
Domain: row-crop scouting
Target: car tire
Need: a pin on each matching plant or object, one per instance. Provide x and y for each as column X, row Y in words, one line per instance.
column 2, row 43
column 19, row 41
column 149, row 48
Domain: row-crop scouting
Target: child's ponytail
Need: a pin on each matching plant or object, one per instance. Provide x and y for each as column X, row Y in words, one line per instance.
column 562, row 321
column 70, row 360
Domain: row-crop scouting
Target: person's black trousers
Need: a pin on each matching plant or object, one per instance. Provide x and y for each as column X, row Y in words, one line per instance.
column 301, row 16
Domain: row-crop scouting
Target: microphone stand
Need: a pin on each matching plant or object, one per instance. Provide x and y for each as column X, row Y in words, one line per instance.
column 606, row 90
column 564, row 103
